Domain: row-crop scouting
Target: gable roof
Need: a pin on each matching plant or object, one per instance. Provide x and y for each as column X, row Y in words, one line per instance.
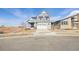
column 32, row 19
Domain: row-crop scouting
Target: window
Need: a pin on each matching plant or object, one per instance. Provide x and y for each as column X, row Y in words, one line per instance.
column 40, row 17
column 75, row 24
column 47, row 17
column 64, row 23
column 74, row 18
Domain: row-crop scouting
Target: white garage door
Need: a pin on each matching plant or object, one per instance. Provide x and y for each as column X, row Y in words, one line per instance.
column 42, row 26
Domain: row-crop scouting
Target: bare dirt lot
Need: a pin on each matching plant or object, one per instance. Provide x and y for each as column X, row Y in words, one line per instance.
column 40, row 43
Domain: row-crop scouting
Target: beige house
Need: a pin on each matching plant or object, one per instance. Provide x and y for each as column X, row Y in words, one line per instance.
column 69, row 23
column 42, row 22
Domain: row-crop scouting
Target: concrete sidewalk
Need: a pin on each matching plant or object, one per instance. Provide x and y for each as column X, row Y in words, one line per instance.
column 34, row 34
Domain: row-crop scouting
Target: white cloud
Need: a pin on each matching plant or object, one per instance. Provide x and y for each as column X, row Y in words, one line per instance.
column 67, row 10
column 73, row 13
column 18, row 13
column 55, row 18
column 2, row 20
column 64, row 13
column 9, row 22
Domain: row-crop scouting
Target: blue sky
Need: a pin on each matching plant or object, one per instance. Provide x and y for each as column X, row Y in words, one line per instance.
column 15, row 16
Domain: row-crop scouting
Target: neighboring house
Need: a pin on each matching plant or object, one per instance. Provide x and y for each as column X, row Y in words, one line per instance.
column 42, row 22
column 71, row 22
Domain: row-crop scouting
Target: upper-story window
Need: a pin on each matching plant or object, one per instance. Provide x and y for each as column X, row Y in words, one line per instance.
column 40, row 17
column 74, row 18
column 47, row 17
column 64, row 23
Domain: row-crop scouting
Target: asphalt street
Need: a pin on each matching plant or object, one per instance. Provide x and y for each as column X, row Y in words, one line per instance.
column 40, row 43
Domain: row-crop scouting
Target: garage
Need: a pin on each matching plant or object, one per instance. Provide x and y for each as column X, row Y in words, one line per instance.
column 42, row 26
